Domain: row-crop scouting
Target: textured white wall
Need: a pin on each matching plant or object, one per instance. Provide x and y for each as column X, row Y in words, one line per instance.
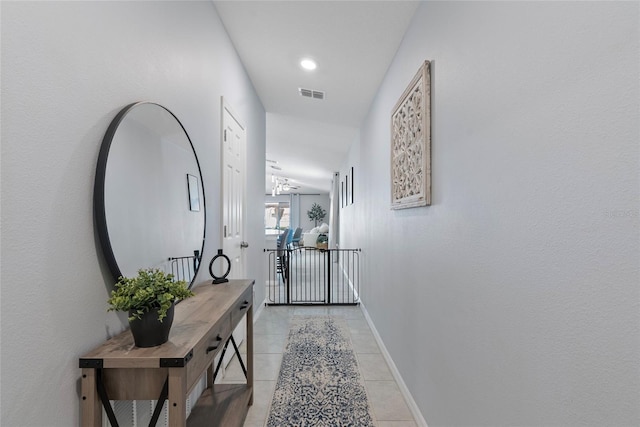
column 67, row 69
column 514, row 298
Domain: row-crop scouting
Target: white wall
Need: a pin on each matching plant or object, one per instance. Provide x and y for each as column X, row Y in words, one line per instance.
column 514, row 298
column 67, row 69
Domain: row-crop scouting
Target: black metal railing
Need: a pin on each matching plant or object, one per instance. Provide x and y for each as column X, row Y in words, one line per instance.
column 313, row 276
column 185, row 267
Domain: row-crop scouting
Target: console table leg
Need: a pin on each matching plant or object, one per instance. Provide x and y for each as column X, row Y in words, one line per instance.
column 91, row 408
column 250, row 352
column 177, row 394
column 210, row 377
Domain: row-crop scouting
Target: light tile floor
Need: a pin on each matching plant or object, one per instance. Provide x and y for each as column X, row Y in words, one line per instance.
column 270, row 335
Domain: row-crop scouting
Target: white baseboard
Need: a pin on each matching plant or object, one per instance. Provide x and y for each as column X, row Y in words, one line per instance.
column 258, row 311
column 413, row 407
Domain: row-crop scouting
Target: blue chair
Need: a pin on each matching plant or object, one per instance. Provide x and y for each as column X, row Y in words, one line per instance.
column 295, row 241
column 281, row 236
column 281, row 254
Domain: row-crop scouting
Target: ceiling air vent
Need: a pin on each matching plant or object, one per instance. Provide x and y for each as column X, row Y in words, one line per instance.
column 310, row 93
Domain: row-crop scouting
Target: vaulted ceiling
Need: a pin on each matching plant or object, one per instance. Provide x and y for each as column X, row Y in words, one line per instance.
column 352, row 42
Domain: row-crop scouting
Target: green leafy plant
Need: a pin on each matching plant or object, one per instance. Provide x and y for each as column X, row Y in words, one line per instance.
column 316, row 213
column 322, row 242
column 150, row 289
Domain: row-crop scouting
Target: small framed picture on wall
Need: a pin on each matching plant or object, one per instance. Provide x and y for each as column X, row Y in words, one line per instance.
column 352, row 192
column 346, row 190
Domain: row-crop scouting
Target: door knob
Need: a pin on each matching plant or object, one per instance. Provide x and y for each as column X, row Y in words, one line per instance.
column 244, row 244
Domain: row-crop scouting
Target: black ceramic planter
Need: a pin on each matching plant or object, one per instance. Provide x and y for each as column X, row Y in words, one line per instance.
column 149, row 331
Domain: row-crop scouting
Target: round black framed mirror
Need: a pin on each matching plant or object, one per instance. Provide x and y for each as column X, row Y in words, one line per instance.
column 149, row 196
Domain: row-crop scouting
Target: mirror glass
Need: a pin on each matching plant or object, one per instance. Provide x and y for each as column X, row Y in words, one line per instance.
column 149, row 198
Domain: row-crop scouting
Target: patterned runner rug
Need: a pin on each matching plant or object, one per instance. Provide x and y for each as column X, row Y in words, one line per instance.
column 319, row 382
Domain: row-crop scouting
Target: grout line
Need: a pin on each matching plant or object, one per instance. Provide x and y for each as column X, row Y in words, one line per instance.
column 397, row 378
column 372, row 411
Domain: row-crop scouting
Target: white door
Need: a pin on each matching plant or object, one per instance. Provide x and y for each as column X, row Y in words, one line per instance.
column 233, row 204
column 233, row 191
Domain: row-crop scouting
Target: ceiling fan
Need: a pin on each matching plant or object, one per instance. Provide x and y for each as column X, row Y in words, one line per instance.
column 286, row 186
column 281, row 184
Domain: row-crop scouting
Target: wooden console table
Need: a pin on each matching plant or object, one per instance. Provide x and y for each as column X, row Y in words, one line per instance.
column 202, row 327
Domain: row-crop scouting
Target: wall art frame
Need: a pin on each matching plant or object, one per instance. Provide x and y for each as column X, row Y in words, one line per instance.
column 411, row 143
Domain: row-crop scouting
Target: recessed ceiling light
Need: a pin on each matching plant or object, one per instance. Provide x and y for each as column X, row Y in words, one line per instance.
column 308, row 64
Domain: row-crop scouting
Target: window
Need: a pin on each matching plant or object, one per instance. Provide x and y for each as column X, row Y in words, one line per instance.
column 276, row 217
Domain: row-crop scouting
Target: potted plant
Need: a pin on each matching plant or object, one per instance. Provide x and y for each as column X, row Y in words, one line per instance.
column 149, row 298
column 322, row 242
column 316, row 213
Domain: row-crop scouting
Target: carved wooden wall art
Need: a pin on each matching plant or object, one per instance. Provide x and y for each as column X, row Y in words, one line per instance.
column 411, row 144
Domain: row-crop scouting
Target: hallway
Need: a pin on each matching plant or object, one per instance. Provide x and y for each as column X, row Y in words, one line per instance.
column 511, row 300
column 270, row 335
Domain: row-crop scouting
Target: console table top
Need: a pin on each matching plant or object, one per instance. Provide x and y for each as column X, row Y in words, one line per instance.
column 193, row 318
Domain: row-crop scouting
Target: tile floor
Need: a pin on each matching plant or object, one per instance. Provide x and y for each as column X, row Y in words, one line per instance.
column 270, row 334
